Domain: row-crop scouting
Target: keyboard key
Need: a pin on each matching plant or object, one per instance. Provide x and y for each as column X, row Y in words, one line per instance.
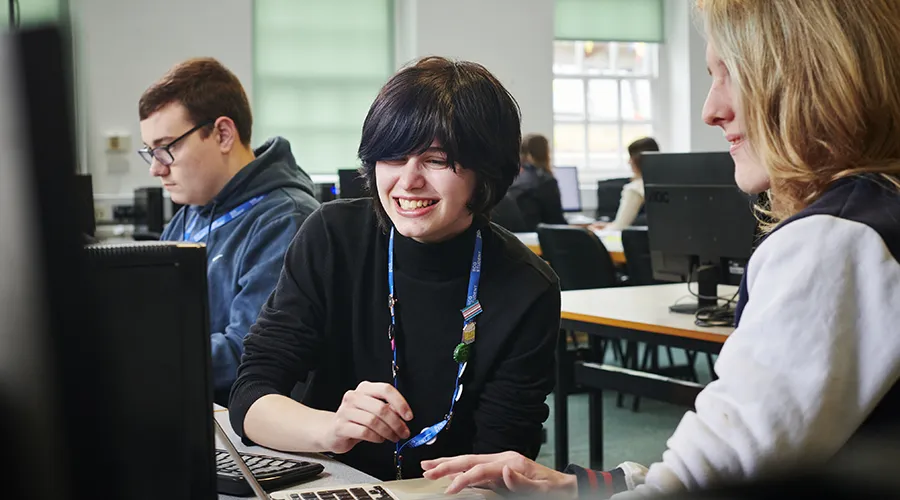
column 309, row 496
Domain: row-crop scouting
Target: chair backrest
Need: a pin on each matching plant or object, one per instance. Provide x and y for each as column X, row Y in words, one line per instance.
column 577, row 256
column 636, row 245
column 609, row 192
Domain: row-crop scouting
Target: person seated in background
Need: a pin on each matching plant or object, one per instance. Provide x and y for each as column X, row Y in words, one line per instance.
column 810, row 374
column 244, row 204
column 535, row 189
column 632, row 193
column 411, row 317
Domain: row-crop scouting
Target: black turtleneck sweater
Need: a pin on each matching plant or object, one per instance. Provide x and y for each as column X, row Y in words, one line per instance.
column 328, row 317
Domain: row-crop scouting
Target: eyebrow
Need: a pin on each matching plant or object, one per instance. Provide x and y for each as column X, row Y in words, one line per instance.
column 708, row 70
column 435, row 149
column 162, row 140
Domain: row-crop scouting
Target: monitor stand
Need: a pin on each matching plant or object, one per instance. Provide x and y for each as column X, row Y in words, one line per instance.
column 707, row 287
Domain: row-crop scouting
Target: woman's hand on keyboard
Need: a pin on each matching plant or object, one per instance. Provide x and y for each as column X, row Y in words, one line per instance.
column 373, row 412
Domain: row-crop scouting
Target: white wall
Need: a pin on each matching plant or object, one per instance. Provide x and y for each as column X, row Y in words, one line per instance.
column 512, row 38
column 123, row 46
column 121, row 51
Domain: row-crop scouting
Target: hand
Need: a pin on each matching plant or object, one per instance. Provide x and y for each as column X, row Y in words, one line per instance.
column 373, row 412
column 597, row 226
column 515, row 472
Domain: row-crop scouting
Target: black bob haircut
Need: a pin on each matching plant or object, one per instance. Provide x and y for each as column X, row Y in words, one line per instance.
column 461, row 105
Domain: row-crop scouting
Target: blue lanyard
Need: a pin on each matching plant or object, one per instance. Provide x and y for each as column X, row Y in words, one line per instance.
column 472, row 309
column 221, row 221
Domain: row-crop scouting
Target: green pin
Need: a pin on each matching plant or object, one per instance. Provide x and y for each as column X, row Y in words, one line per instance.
column 461, row 353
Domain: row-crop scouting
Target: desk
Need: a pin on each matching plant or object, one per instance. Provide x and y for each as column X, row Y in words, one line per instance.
column 637, row 313
column 612, row 240
column 335, row 474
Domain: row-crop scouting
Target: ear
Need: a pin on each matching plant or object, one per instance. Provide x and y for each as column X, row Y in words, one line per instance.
column 226, row 134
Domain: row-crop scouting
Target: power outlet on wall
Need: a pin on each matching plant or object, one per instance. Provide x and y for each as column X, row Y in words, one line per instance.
column 101, row 213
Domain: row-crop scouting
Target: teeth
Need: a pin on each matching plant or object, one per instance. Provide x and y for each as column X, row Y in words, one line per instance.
column 414, row 204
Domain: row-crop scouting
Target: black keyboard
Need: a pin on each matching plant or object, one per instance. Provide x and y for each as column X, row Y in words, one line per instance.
column 271, row 472
column 373, row 492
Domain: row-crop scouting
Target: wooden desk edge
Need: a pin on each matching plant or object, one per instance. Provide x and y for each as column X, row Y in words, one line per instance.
column 718, row 338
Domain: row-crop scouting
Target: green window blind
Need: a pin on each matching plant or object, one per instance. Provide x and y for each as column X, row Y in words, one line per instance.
column 610, row 20
column 32, row 12
column 318, row 65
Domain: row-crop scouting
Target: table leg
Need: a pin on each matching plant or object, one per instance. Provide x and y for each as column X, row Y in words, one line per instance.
column 595, row 429
column 561, row 404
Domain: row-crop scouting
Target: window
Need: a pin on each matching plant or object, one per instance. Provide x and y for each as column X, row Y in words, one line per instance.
column 318, row 65
column 603, row 99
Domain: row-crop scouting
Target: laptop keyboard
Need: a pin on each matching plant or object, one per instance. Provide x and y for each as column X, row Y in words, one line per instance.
column 374, row 492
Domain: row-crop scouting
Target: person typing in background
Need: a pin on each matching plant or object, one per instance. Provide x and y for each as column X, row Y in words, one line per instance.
column 632, row 199
column 244, row 204
column 808, row 99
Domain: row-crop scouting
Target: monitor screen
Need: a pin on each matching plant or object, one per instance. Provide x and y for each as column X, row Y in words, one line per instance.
column 569, row 193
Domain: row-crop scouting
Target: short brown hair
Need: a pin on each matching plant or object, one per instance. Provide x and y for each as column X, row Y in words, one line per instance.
column 206, row 89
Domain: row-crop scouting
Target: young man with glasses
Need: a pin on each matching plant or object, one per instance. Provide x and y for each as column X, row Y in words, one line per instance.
column 244, row 204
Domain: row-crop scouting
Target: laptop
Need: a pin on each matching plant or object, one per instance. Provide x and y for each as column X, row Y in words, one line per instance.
column 409, row 489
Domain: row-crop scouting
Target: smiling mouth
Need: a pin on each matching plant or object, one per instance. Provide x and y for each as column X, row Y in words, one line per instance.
column 406, row 204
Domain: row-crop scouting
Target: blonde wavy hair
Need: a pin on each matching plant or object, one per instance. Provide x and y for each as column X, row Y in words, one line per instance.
column 819, row 87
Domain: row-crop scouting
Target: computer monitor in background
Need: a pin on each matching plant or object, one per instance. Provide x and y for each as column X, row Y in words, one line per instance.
column 84, row 396
column 701, row 226
column 149, row 210
column 351, row 184
column 569, row 193
column 84, row 204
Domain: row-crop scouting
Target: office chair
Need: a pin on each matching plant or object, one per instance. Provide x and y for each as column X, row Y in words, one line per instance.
column 609, row 193
column 578, row 257
column 582, row 262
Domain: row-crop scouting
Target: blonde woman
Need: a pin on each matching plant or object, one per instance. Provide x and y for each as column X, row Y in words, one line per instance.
column 810, row 100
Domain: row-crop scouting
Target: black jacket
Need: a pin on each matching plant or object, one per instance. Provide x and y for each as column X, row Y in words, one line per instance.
column 537, row 194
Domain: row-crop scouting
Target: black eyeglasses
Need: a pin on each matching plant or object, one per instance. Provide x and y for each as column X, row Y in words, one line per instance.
column 162, row 153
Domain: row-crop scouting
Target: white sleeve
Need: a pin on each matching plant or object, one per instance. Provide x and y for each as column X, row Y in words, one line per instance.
column 815, row 352
column 629, row 206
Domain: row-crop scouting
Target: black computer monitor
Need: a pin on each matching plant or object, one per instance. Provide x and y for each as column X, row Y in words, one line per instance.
column 569, row 192
column 149, row 210
column 701, row 226
column 149, row 357
column 351, row 184
column 84, row 204
column 105, row 388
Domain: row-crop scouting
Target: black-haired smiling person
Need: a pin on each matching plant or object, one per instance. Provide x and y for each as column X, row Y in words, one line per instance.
column 421, row 329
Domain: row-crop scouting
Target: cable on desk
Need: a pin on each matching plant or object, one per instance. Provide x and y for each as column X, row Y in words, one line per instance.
column 712, row 316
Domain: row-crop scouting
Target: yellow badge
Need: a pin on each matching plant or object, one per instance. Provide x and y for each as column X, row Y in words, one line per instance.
column 469, row 333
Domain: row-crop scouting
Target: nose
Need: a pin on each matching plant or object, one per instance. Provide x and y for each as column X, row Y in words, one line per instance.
column 718, row 109
column 157, row 169
column 411, row 176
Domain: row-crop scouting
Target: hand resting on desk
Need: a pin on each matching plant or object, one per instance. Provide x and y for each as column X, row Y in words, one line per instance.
column 508, row 470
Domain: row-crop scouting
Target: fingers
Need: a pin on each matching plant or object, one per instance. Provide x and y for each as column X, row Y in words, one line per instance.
column 372, row 422
column 440, row 467
column 518, row 483
column 383, row 413
column 355, row 432
column 389, row 395
column 479, row 474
